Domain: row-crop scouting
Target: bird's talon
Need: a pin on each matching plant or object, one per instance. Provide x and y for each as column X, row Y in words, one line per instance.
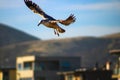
column 58, row 34
column 54, row 32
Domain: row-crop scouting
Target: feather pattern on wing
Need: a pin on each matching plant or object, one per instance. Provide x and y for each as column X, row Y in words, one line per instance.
column 68, row 21
column 36, row 9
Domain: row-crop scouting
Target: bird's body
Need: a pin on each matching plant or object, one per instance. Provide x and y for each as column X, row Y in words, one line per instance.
column 49, row 21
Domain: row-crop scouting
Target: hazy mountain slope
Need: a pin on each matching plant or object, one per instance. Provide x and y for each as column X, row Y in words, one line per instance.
column 116, row 35
column 9, row 35
column 90, row 49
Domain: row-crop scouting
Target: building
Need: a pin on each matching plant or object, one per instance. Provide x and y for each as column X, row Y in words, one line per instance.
column 104, row 73
column 44, row 68
column 83, row 74
column 8, row 73
column 116, row 70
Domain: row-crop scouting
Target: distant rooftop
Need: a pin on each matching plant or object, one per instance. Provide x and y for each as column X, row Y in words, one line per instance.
column 115, row 51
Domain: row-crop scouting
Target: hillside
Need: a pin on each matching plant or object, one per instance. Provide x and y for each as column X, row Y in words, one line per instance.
column 9, row 35
column 116, row 35
column 91, row 49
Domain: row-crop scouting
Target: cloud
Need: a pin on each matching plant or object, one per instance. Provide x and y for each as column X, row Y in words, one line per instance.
column 96, row 6
column 93, row 30
column 11, row 4
column 7, row 4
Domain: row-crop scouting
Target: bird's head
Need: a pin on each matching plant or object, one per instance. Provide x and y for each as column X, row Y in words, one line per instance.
column 40, row 22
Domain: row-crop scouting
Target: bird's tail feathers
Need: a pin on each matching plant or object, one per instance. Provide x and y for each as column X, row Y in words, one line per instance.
column 68, row 21
column 60, row 30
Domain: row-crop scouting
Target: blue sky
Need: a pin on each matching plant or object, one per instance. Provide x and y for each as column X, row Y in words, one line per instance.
column 93, row 17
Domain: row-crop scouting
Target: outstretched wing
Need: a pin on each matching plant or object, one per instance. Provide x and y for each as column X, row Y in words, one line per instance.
column 36, row 9
column 68, row 21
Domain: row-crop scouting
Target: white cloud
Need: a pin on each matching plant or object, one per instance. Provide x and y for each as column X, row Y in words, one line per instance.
column 96, row 6
column 7, row 4
column 94, row 31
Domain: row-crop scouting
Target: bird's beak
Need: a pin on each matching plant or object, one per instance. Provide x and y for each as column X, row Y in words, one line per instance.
column 39, row 23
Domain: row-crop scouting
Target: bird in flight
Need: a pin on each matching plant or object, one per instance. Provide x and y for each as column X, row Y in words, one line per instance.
column 49, row 21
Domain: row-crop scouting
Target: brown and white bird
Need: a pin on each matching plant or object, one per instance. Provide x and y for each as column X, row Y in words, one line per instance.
column 49, row 21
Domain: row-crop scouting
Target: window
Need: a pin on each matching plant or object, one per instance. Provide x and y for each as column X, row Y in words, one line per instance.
column 19, row 66
column 40, row 66
column 65, row 65
column 27, row 65
column 47, row 65
column 53, row 65
column 70, row 77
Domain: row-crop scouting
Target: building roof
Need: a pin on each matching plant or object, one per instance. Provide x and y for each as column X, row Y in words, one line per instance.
column 83, row 71
column 7, row 68
column 115, row 51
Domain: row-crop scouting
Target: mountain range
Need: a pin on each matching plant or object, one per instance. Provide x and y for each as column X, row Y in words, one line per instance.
column 9, row 35
column 92, row 50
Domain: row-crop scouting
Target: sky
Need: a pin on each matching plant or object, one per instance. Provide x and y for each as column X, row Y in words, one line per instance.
column 93, row 17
